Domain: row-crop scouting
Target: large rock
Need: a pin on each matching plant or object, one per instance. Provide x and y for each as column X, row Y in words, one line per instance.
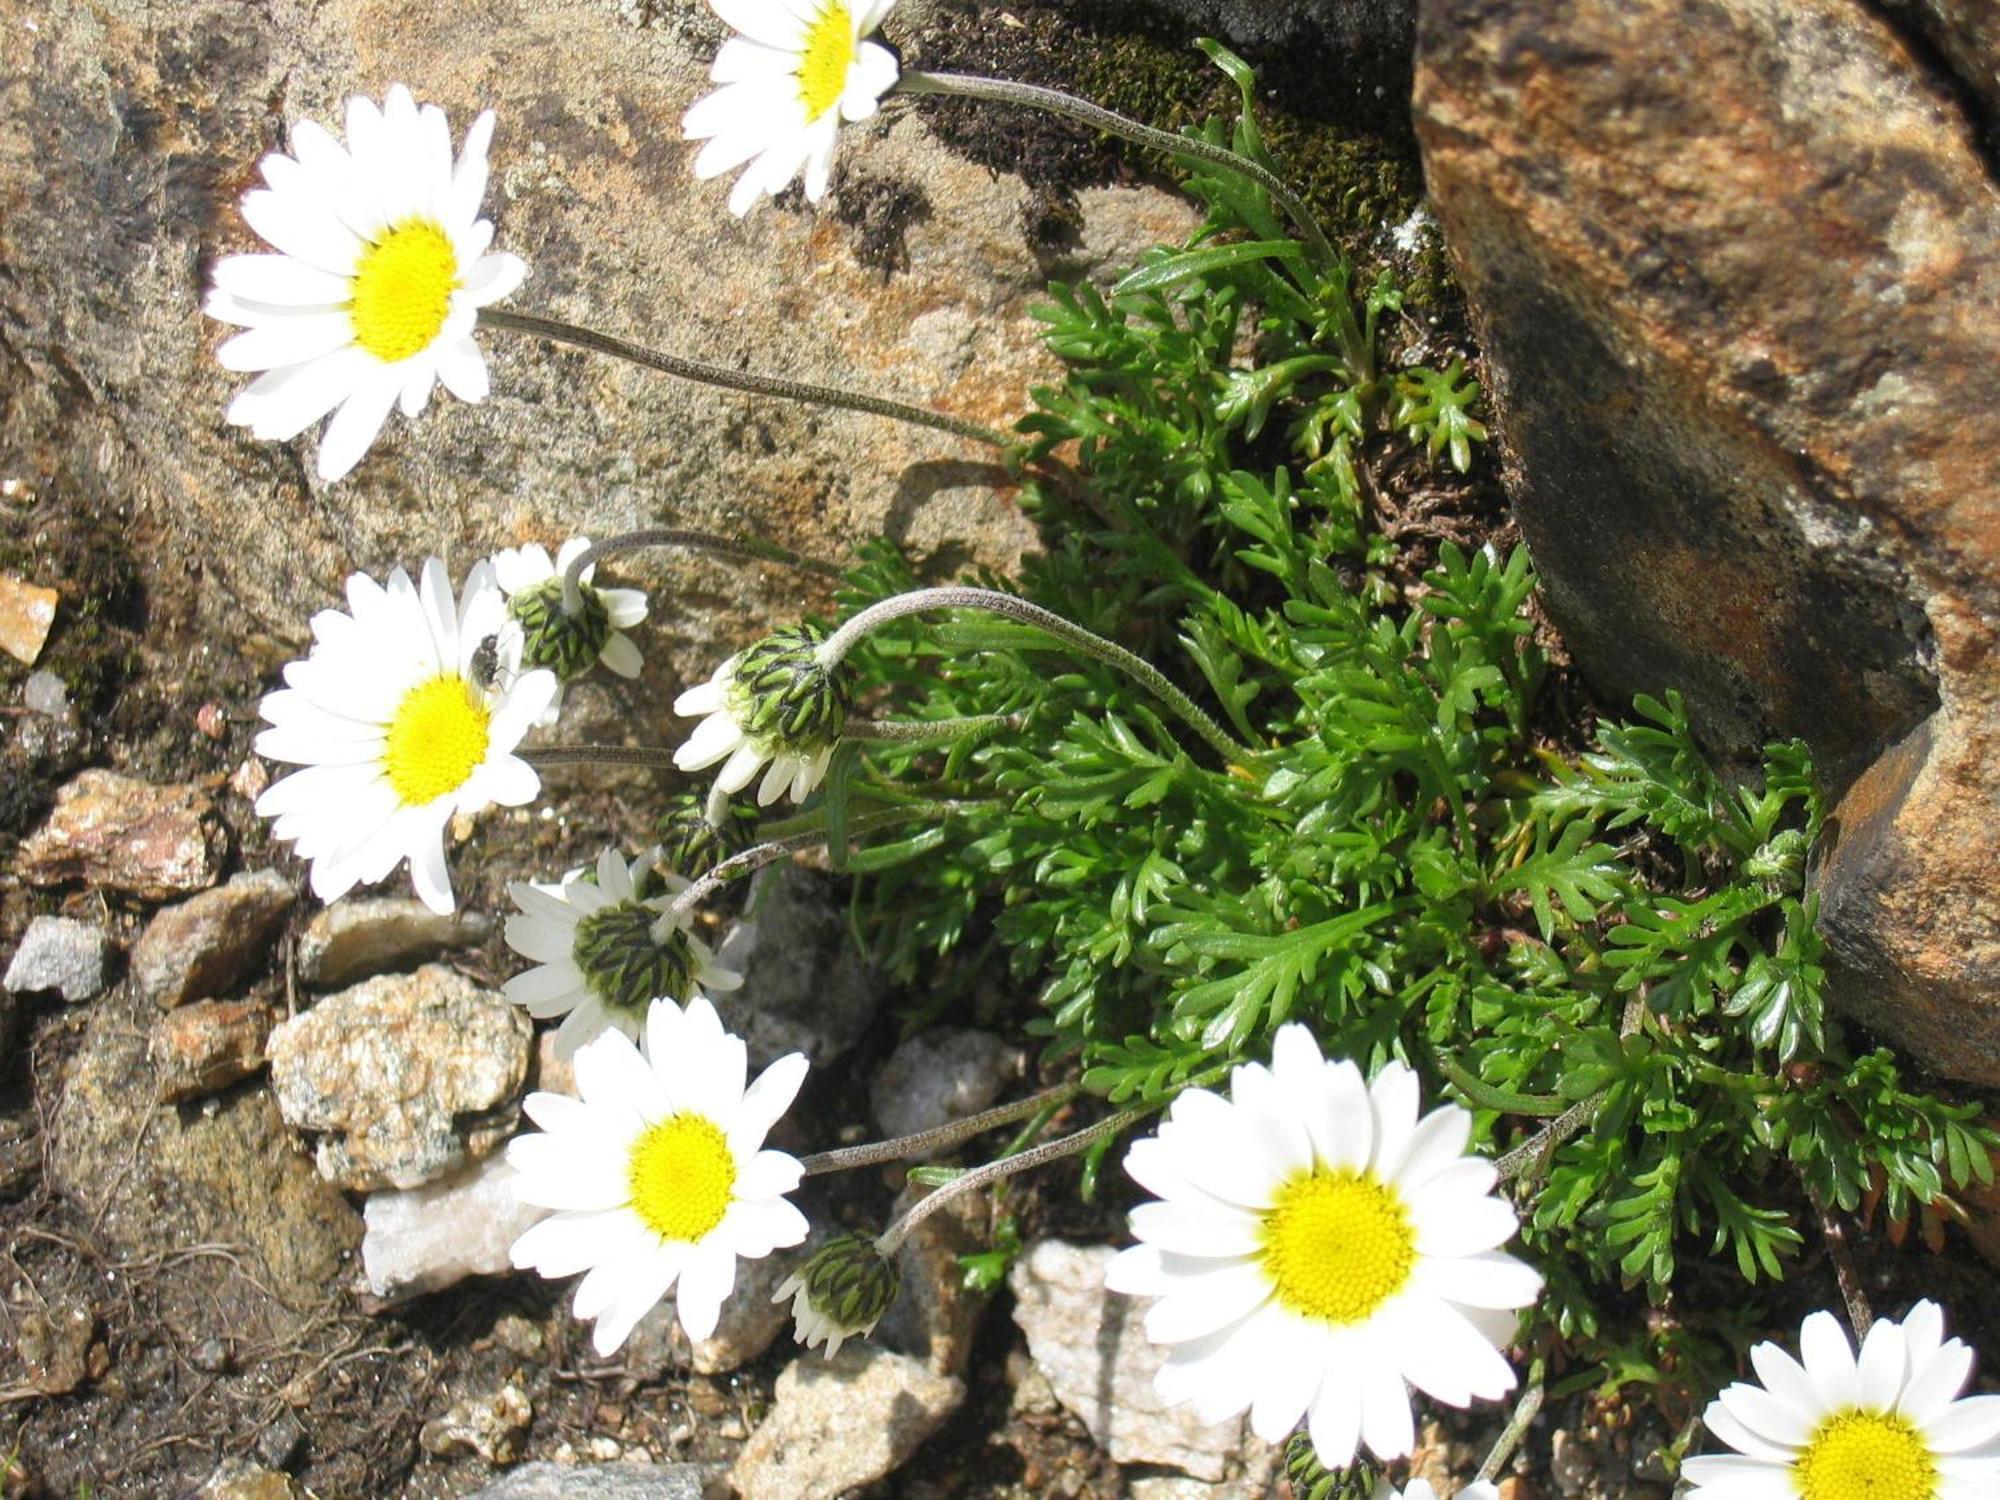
column 1734, row 264
column 1090, row 1344
column 426, row 1238
column 805, row 988
column 203, row 945
column 60, row 954
column 619, row 1481
column 124, row 834
column 360, row 936
column 838, row 1424
column 158, row 130
column 404, row 1078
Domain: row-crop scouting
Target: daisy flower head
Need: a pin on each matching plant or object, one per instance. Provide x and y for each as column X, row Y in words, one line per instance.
column 793, row 72
column 774, row 706
column 1829, row 1426
column 1317, row 1249
column 378, row 269
column 398, row 731
column 543, row 631
column 657, row 1172
column 842, row 1292
column 605, row 950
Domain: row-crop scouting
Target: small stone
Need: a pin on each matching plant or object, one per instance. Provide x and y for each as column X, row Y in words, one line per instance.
column 281, row 1440
column 202, row 1048
column 805, row 989
column 750, row 1322
column 513, row 1333
column 46, row 693
column 122, row 834
column 1092, row 1346
column 936, row 1316
column 356, row 939
column 838, row 1424
column 1573, row 1462
column 54, row 1345
column 939, row 1076
column 62, row 955
column 212, row 1356
column 493, row 1426
column 27, row 610
column 206, row 943
column 426, row 1238
column 239, row 1479
column 406, row 1077
column 619, row 1481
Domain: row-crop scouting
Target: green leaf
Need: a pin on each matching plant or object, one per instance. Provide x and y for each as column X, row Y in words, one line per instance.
column 1171, row 270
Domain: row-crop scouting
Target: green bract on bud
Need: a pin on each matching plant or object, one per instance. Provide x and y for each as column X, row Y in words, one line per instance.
column 1781, row 863
column 553, row 637
column 782, row 694
column 1312, row 1480
column 628, row 962
column 841, row 1292
column 690, row 845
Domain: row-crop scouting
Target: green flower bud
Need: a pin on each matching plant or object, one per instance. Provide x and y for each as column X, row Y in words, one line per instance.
column 567, row 644
column 690, row 845
column 842, row 1291
column 626, row 965
column 781, row 694
column 1312, row 1480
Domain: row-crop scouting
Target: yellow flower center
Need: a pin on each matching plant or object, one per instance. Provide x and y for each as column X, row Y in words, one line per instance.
column 823, row 64
column 681, row 1175
column 402, row 290
column 1866, row 1455
column 1337, row 1245
column 437, row 739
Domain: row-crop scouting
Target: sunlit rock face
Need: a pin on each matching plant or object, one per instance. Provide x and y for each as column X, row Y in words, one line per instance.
column 1733, row 265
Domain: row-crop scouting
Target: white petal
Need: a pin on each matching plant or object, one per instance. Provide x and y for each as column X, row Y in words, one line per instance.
column 355, row 426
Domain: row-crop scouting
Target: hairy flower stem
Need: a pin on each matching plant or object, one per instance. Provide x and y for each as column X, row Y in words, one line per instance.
column 750, row 548
column 1525, row 1411
column 1860, row 1316
column 928, row 731
column 1055, row 102
column 738, row 380
column 891, row 1239
column 772, row 850
column 903, row 1147
column 958, row 596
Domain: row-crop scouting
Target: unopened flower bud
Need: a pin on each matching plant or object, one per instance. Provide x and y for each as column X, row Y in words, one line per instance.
column 842, row 1291
column 551, row 636
column 781, row 693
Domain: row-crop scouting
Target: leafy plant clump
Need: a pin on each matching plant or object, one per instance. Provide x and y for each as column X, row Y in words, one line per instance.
column 1610, row 956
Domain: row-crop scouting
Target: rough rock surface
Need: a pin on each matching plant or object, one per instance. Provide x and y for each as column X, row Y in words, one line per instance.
column 405, row 1076
column 237, row 1479
column 160, row 129
column 942, row 1075
column 209, row 1045
column 62, row 955
column 805, row 989
column 838, row 1424
column 358, row 937
column 426, row 1238
column 1091, row 1346
column 495, row 1426
column 203, row 945
column 619, row 1481
column 27, row 611
column 122, row 834
column 161, row 1176
column 936, row 1317
column 1734, row 266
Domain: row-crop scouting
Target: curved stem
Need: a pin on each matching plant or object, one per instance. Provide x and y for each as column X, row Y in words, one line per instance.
column 771, row 851
column 903, row 1147
column 738, row 380
column 959, row 596
column 749, row 548
column 1525, row 1411
column 892, row 1238
column 1055, row 102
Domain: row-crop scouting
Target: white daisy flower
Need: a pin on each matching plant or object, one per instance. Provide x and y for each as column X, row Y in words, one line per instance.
column 774, row 707
column 381, row 268
column 542, row 632
column 796, row 69
column 397, row 730
column 1836, row 1428
column 1318, row 1249
column 605, row 955
column 656, row 1172
column 842, row 1292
